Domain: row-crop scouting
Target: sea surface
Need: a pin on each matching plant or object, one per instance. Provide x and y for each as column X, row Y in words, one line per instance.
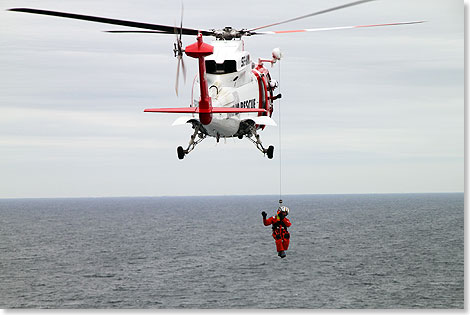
column 347, row 251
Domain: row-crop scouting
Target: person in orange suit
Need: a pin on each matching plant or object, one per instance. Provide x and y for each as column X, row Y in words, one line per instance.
column 279, row 224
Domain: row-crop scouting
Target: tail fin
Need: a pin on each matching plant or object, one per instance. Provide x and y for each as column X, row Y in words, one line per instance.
column 200, row 50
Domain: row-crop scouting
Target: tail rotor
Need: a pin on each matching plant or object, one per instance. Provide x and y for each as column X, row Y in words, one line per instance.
column 178, row 50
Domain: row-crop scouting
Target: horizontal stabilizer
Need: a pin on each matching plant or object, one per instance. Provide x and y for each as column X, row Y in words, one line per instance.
column 219, row 110
column 215, row 110
column 188, row 110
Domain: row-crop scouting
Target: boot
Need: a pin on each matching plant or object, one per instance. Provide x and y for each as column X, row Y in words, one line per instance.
column 281, row 254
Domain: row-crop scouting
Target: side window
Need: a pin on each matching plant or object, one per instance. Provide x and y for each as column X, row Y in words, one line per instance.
column 228, row 66
column 210, row 66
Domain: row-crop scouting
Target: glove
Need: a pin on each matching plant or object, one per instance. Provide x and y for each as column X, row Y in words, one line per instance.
column 264, row 214
column 281, row 216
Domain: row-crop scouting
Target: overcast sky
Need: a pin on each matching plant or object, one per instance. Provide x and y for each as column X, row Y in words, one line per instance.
column 378, row 110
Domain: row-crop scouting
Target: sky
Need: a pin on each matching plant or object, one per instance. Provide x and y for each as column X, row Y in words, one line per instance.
column 377, row 110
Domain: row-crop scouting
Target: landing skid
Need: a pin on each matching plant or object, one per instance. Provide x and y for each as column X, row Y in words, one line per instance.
column 192, row 142
column 259, row 145
column 199, row 135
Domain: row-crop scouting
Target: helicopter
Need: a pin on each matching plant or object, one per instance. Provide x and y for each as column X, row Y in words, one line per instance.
column 233, row 95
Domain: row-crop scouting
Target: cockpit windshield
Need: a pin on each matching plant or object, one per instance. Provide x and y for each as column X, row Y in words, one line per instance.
column 228, row 66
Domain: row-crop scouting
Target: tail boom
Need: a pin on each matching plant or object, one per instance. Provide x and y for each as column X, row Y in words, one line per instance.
column 199, row 50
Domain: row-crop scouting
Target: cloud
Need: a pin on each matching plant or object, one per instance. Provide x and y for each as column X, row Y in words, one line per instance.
column 376, row 110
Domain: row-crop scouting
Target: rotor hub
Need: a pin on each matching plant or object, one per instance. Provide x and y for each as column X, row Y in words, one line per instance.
column 229, row 33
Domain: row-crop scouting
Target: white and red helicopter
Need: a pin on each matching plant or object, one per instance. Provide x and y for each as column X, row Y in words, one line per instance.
column 233, row 95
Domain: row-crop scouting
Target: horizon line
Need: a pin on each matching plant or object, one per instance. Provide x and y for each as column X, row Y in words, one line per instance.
column 238, row 195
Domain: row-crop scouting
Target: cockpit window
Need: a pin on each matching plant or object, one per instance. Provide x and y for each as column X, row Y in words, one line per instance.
column 228, row 66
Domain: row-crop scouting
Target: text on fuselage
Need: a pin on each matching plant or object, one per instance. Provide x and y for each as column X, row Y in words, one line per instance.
column 246, row 104
column 245, row 60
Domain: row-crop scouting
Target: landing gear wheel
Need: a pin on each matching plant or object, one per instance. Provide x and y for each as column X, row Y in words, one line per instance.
column 270, row 152
column 180, row 152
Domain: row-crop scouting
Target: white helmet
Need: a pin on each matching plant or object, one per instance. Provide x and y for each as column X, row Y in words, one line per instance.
column 283, row 209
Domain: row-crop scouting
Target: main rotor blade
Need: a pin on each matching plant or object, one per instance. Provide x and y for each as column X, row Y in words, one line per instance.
column 333, row 28
column 156, row 27
column 151, row 32
column 313, row 14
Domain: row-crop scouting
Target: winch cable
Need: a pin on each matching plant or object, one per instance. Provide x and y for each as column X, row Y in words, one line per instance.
column 280, row 142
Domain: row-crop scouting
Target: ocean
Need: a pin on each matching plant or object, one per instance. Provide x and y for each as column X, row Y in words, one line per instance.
column 377, row 251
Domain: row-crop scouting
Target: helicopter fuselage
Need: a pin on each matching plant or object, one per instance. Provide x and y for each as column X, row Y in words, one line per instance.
column 234, row 81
